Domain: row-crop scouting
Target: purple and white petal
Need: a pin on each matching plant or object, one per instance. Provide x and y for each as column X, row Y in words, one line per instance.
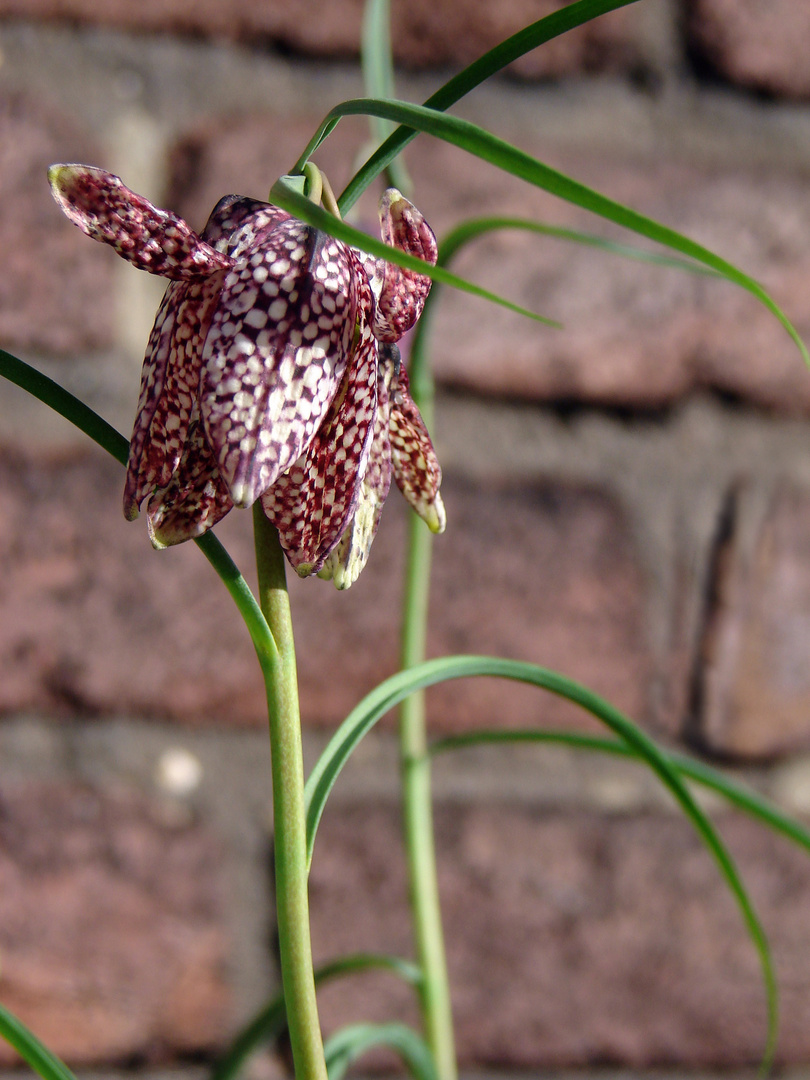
column 401, row 294
column 416, row 467
column 237, row 219
column 195, row 498
column 151, row 239
column 312, row 502
column 169, row 384
column 346, row 561
column 276, row 352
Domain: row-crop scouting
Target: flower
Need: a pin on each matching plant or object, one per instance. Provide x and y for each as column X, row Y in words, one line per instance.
column 271, row 371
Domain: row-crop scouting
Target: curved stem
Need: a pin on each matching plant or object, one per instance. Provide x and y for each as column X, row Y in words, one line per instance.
column 417, row 802
column 289, row 823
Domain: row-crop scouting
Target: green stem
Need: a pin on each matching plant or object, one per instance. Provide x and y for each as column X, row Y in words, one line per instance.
column 417, row 803
column 289, row 823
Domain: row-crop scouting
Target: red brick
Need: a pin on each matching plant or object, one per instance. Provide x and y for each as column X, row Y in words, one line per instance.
column 425, row 34
column 111, row 925
column 91, row 619
column 573, row 938
column 755, row 699
column 41, row 252
column 634, row 335
column 753, row 44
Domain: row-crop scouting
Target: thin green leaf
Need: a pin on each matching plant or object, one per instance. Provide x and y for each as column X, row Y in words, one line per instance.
column 503, row 155
column 472, row 228
column 284, row 196
column 735, row 793
column 53, row 395
column 271, row 1022
column 524, row 41
column 350, row 1043
column 394, row 689
column 31, row 1050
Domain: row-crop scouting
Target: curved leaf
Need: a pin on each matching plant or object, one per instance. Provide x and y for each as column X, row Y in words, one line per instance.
column 271, row 1021
column 493, row 61
column 348, row 1044
column 471, row 229
column 483, row 144
column 31, row 1050
column 394, row 689
column 751, row 803
column 285, row 196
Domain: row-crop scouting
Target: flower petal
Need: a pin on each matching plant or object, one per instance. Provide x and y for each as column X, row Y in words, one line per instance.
column 194, row 499
column 152, row 239
column 238, row 212
column 344, row 564
column 169, row 382
column 402, row 293
column 416, row 467
column 277, row 351
column 312, row 502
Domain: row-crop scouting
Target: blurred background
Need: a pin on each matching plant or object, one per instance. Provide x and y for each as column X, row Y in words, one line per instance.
column 628, row 501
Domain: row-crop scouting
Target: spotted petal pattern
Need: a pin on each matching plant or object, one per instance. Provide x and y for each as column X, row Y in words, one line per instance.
column 169, row 387
column 271, row 372
column 416, row 467
column 151, row 239
column 402, row 293
column 276, row 352
column 195, row 497
column 312, row 502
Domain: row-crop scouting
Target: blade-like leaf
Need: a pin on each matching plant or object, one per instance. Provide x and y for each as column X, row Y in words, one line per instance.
column 394, row 689
column 503, row 54
column 288, row 199
column 483, row 144
column 271, row 1021
column 350, row 1043
column 732, row 791
column 473, row 228
column 53, row 395
column 31, row 1050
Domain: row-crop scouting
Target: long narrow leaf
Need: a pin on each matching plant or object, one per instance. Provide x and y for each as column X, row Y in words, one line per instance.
column 524, row 41
column 286, row 197
column 31, row 1050
column 736, row 794
column 393, row 690
column 350, row 1043
column 59, row 399
column 473, row 228
column 483, row 144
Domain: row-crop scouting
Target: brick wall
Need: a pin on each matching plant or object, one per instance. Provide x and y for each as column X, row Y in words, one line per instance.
column 628, row 501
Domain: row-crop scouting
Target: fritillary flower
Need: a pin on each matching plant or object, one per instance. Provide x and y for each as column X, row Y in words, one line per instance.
column 271, row 371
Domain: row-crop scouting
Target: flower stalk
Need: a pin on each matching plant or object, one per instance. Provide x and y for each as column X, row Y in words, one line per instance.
column 289, row 822
column 415, row 768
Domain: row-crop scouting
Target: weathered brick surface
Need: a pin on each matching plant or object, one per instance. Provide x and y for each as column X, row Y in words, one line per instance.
column 755, row 685
column 753, row 44
column 574, row 938
column 112, row 937
column 37, row 310
column 92, row 619
column 425, row 34
column 634, row 336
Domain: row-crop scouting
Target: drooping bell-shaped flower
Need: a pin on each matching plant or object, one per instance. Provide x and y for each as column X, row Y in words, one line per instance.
column 270, row 371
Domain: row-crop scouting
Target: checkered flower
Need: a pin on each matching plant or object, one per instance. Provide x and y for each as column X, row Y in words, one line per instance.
column 271, row 372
